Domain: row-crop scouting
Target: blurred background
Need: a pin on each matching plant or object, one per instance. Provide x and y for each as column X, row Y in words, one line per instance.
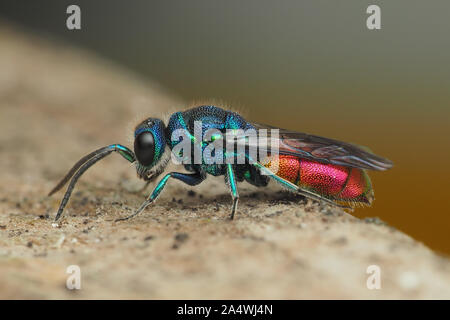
column 310, row 66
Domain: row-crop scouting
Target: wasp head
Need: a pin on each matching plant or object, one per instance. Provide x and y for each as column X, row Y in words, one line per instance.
column 149, row 147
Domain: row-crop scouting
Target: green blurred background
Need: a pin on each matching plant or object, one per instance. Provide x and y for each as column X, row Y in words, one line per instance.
column 310, row 66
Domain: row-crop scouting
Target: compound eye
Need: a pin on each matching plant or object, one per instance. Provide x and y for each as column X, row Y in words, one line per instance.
column 144, row 148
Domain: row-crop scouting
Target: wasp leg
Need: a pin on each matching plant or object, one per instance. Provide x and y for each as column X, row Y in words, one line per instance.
column 231, row 181
column 190, row 179
column 82, row 165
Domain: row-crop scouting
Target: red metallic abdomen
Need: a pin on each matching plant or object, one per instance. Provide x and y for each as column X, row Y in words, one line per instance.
column 333, row 181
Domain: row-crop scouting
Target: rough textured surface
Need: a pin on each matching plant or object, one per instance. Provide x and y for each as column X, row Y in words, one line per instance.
column 58, row 103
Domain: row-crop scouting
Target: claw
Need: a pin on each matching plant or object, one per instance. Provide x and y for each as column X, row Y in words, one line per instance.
column 233, row 210
column 141, row 208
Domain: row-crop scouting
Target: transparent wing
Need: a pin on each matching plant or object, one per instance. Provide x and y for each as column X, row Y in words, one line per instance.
column 314, row 148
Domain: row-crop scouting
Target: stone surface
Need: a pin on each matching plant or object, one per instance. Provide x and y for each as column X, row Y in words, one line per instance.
column 58, row 103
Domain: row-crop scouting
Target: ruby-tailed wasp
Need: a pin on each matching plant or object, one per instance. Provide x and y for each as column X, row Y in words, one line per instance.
column 319, row 168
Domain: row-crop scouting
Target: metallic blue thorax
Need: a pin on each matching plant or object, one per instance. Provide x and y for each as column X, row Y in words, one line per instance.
column 211, row 117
